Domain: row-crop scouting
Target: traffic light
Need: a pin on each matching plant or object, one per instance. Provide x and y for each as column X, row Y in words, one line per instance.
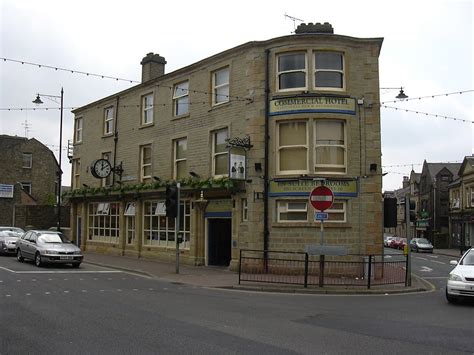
column 412, row 207
column 171, row 201
column 390, row 212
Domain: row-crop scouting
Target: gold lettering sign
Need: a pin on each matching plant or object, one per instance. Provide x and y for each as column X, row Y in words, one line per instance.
column 341, row 188
column 325, row 104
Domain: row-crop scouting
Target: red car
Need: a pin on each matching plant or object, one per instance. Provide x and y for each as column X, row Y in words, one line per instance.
column 394, row 242
column 402, row 243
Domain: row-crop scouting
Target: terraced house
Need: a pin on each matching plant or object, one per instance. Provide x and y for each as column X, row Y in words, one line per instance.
column 248, row 133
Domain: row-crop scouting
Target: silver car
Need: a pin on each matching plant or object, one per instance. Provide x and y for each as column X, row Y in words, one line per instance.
column 48, row 247
column 461, row 279
column 8, row 239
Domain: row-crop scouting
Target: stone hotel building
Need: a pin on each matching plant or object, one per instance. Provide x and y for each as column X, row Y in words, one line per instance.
column 247, row 133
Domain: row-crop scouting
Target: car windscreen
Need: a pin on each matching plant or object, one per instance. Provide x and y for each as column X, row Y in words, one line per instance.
column 468, row 258
column 52, row 238
column 423, row 241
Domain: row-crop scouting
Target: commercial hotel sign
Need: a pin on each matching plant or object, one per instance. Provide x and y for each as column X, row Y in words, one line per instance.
column 320, row 104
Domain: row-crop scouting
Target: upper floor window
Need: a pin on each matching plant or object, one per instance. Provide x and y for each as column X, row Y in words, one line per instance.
column 109, row 120
column 292, row 147
column 328, row 70
column 181, row 99
column 472, row 197
column 26, row 186
column 76, row 170
column 180, row 158
column 220, row 86
column 78, row 130
column 291, row 71
column 27, row 160
column 245, row 210
column 220, row 161
column 329, row 146
column 147, row 109
column 145, row 163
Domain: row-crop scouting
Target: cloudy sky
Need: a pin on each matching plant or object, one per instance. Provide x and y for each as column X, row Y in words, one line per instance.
column 427, row 50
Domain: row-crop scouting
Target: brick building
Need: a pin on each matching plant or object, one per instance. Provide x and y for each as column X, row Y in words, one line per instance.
column 28, row 177
column 288, row 113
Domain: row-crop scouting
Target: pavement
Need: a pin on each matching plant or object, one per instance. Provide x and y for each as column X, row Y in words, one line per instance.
column 222, row 277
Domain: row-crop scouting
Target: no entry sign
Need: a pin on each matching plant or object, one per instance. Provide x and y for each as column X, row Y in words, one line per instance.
column 321, row 198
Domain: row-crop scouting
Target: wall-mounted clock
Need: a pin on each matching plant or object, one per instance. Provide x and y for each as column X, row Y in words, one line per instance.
column 101, row 168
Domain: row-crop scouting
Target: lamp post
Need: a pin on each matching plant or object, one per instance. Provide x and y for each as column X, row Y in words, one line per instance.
column 38, row 101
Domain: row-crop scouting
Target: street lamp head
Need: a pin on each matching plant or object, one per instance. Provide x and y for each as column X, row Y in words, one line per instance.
column 401, row 95
column 37, row 101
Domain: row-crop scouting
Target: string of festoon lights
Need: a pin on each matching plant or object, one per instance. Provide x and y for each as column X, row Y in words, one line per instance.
column 427, row 114
column 427, row 97
column 74, row 71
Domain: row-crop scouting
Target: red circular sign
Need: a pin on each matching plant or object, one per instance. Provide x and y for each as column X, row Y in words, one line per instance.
column 321, row 198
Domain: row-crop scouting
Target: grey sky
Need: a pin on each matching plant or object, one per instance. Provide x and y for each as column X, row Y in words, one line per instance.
column 428, row 49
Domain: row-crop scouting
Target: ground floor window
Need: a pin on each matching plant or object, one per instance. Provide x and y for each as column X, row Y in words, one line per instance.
column 104, row 222
column 297, row 211
column 158, row 230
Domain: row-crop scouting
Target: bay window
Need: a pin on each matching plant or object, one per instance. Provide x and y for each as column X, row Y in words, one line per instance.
column 291, row 71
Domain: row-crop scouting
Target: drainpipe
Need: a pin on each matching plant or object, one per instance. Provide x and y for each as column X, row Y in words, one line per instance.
column 115, row 139
column 266, row 232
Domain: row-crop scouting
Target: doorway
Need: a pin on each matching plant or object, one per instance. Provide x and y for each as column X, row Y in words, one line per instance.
column 79, row 231
column 219, row 241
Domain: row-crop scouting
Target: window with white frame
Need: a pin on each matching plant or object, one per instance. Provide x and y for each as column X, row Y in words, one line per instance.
column 180, row 158
column 328, row 70
column 26, row 186
column 245, row 210
column 104, row 222
column 330, row 146
column 291, row 71
column 145, row 163
column 158, row 230
column 292, row 211
column 220, row 160
column 472, row 197
column 181, row 99
column 147, row 109
column 108, row 180
column 108, row 120
column 337, row 213
column 292, row 147
column 27, row 160
column 76, row 170
column 220, row 86
column 78, row 123
column 130, row 222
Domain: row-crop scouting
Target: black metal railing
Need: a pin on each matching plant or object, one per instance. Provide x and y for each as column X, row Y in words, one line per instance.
column 300, row 268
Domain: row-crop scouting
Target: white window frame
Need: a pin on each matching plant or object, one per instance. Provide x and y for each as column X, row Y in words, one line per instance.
column 215, row 87
column 177, row 160
column 472, row 197
column 216, row 154
column 143, row 177
column 179, row 97
column 245, row 210
column 27, row 187
column 103, row 222
column 279, row 73
column 283, row 206
column 332, row 211
column 78, row 129
column 159, row 230
column 316, row 70
column 76, row 167
column 130, row 225
column 29, row 160
column 280, row 148
column 147, row 109
column 109, row 121
column 326, row 168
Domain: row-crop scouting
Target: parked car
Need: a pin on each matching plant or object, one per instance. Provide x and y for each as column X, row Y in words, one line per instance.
column 401, row 243
column 421, row 245
column 394, row 242
column 460, row 282
column 387, row 238
column 8, row 239
column 48, row 247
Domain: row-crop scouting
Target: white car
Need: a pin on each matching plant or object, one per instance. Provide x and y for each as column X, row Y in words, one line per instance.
column 8, row 239
column 461, row 279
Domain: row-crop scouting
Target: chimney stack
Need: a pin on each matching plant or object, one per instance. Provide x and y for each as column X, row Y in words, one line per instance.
column 153, row 66
column 406, row 181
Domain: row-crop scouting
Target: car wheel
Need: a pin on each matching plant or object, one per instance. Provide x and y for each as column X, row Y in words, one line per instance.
column 19, row 256
column 38, row 260
column 76, row 265
column 450, row 298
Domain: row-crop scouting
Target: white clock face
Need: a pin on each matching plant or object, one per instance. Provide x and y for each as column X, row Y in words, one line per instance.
column 102, row 168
